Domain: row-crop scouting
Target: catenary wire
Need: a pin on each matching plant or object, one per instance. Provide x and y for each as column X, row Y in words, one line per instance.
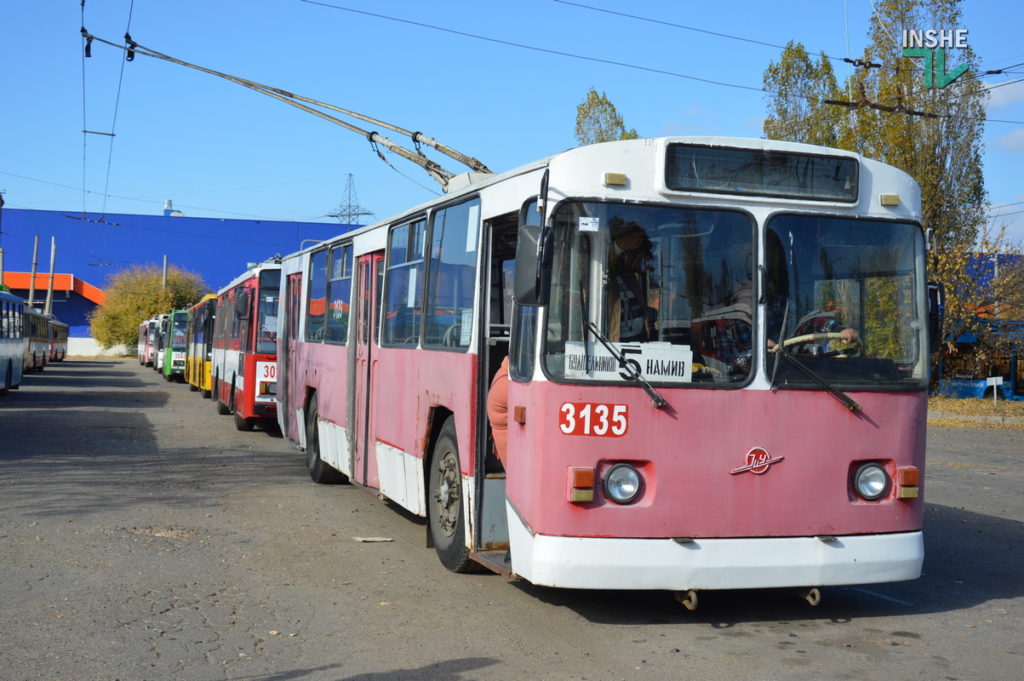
column 572, row 55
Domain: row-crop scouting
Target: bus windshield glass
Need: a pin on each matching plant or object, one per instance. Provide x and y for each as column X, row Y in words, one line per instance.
column 266, row 336
column 179, row 325
column 841, row 300
column 668, row 289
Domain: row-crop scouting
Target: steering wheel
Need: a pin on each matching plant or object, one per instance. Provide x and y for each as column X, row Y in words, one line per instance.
column 452, row 336
column 856, row 345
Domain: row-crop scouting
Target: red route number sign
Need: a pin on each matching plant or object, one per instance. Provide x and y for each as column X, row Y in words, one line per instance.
column 593, row 419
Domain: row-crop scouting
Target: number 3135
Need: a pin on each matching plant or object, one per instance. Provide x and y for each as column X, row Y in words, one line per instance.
column 589, row 418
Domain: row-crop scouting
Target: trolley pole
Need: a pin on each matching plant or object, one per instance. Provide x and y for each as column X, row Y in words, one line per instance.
column 49, row 289
column 32, row 278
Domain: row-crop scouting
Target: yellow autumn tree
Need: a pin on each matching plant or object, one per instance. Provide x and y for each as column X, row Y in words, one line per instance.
column 598, row 121
column 135, row 294
column 933, row 134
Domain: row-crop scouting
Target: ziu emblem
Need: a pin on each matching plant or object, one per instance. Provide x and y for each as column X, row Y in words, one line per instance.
column 758, row 462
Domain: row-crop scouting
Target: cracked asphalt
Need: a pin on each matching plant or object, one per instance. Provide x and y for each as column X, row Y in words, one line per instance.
column 142, row 538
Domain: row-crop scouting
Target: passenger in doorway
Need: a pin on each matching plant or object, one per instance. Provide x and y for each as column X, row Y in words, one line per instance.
column 497, row 410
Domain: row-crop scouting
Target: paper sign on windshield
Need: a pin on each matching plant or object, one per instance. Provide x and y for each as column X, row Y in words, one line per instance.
column 657, row 362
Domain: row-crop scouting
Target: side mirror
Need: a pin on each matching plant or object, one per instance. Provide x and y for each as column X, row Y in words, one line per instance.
column 936, row 313
column 533, row 251
column 533, row 274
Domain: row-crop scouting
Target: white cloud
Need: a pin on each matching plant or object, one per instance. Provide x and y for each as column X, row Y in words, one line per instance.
column 1013, row 141
column 1006, row 95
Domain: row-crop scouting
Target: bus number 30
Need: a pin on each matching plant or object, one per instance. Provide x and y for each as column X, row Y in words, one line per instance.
column 587, row 418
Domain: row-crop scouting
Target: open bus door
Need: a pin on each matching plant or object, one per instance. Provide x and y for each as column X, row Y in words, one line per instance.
column 370, row 269
column 290, row 394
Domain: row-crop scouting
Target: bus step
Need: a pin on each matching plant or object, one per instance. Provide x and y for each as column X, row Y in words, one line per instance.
column 499, row 561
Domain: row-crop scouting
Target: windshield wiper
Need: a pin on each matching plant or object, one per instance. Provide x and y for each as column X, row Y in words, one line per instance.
column 630, row 368
column 842, row 397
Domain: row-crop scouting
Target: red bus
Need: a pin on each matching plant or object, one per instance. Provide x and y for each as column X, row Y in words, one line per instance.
column 658, row 435
column 149, row 340
column 244, row 367
column 58, row 339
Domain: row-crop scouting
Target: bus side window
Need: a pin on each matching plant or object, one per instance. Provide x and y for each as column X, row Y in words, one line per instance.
column 339, row 294
column 316, row 307
column 403, row 301
column 452, row 275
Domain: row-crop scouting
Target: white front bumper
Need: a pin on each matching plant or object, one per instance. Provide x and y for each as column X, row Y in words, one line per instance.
column 600, row 563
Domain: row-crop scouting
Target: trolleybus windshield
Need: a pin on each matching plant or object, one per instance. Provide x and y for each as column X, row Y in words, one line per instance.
column 266, row 339
column 669, row 288
column 841, row 298
column 179, row 326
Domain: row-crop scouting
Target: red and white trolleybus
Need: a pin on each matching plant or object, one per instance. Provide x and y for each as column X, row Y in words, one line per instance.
column 718, row 356
column 244, row 367
column 146, row 345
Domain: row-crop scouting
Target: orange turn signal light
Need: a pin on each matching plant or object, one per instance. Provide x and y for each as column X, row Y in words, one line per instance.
column 581, row 484
column 908, row 478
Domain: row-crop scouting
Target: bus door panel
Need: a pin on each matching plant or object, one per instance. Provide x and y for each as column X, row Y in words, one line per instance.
column 293, row 388
column 365, row 465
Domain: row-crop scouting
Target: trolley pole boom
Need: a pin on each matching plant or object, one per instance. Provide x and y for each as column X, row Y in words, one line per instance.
column 307, row 104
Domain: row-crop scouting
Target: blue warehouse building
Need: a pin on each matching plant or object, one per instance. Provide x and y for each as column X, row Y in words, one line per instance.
column 91, row 247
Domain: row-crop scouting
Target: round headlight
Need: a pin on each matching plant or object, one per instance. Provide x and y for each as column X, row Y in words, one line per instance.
column 871, row 481
column 622, row 483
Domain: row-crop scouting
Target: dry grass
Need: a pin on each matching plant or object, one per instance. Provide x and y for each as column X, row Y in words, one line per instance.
column 974, row 413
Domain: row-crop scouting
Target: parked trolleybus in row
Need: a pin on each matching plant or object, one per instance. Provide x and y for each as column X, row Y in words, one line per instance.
column 58, row 339
column 244, row 367
column 145, row 344
column 199, row 337
column 12, row 341
column 174, row 342
column 37, row 331
column 718, row 360
column 158, row 339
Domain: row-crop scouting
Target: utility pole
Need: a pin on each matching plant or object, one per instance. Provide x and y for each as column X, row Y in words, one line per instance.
column 350, row 212
column 163, row 280
column 32, row 277
column 49, row 289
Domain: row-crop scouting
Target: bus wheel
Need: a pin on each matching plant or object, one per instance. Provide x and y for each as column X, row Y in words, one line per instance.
column 242, row 423
column 444, row 502
column 319, row 471
column 7, row 381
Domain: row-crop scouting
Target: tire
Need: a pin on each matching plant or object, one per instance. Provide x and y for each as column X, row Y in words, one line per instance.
column 445, row 512
column 319, row 471
column 7, row 381
column 242, row 423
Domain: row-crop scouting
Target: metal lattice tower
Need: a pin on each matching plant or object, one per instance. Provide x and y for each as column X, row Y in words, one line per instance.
column 350, row 212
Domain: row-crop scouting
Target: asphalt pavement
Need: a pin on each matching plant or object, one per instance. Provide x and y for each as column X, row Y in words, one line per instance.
column 143, row 538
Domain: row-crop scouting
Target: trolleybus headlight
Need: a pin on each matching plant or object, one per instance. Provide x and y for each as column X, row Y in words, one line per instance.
column 871, row 481
column 622, row 483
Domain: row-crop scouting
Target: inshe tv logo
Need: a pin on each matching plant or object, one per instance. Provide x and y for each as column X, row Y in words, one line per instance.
column 931, row 45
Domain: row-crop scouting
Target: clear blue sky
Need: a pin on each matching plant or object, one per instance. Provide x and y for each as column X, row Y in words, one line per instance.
column 219, row 150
